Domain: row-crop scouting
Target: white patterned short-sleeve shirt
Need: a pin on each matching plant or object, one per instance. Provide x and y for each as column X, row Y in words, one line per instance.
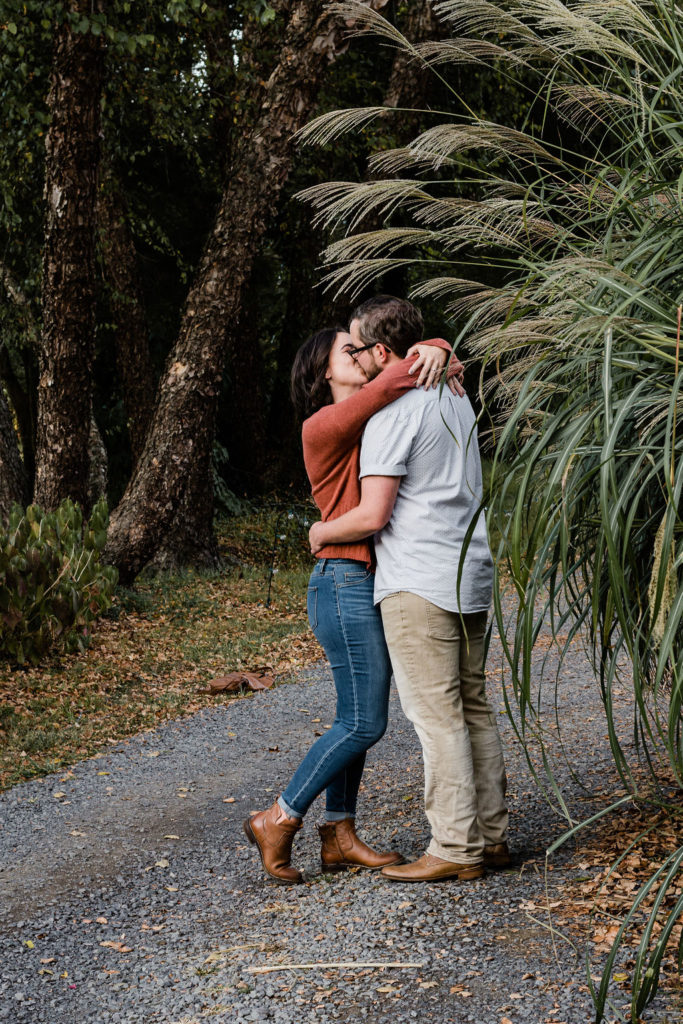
column 430, row 440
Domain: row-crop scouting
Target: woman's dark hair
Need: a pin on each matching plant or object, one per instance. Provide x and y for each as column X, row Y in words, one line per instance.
column 309, row 388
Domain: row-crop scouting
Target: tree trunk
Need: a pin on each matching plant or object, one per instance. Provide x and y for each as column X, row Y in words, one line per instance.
column 98, row 465
column 182, row 429
column 13, row 484
column 128, row 313
column 190, row 537
column 67, row 344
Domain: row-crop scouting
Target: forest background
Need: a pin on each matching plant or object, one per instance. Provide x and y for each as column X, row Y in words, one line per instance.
column 185, row 237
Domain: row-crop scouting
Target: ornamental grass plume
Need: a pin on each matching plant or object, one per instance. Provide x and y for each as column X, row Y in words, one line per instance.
column 557, row 252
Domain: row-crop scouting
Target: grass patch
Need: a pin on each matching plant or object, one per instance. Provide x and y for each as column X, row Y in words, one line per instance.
column 161, row 642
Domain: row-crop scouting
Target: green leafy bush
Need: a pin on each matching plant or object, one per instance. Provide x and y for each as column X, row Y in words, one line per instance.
column 52, row 585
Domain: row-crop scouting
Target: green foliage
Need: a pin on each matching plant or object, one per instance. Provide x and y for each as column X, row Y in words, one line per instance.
column 52, row 586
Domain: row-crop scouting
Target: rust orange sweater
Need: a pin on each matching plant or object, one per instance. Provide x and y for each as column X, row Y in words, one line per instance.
column 331, row 441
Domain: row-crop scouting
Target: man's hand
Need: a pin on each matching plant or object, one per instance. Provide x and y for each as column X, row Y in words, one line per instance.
column 316, row 537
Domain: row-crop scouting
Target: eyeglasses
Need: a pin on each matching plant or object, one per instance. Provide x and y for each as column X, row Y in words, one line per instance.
column 353, row 352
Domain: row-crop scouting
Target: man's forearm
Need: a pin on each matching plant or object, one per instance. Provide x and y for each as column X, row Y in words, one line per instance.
column 357, row 524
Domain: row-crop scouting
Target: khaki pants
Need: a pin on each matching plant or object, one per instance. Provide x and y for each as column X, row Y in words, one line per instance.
column 438, row 662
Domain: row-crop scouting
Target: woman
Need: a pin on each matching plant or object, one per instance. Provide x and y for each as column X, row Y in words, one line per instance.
column 331, row 390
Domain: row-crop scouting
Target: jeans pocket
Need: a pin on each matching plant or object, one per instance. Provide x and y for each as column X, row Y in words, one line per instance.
column 312, row 606
column 356, row 577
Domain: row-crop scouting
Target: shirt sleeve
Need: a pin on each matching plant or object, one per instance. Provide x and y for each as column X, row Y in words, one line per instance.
column 387, row 443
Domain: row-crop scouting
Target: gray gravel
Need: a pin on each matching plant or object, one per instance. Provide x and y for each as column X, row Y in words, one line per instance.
column 134, row 896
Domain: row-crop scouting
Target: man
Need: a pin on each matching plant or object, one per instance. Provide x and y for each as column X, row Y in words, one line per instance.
column 421, row 488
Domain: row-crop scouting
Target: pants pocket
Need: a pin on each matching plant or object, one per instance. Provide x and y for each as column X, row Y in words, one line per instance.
column 441, row 625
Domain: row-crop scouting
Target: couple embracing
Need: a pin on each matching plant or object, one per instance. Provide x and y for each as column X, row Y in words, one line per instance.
column 394, row 467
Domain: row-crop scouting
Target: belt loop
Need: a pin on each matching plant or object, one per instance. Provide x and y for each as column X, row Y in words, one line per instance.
column 322, row 566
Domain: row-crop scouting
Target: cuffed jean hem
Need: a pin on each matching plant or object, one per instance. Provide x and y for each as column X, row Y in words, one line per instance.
column 338, row 815
column 289, row 811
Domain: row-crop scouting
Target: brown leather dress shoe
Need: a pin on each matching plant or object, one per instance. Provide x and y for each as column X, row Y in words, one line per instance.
column 497, row 856
column 273, row 833
column 341, row 848
column 432, row 869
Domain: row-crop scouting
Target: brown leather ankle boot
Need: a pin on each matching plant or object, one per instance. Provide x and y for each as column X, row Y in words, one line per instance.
column 341, row 848
column 273, row 833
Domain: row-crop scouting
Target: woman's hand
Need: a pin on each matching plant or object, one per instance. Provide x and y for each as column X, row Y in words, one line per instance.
column 430, row 362
column 316, row 537
column 455, row 376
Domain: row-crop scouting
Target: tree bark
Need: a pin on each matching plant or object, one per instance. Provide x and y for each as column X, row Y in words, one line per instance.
column 131, row 336
column 98, row 465
column 67, row 344
column 182, row 429
column 13, row 483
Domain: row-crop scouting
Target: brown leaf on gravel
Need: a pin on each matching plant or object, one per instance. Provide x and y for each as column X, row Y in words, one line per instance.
column 236, row 680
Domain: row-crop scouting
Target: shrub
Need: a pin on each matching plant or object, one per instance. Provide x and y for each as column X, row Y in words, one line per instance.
column 52, row 585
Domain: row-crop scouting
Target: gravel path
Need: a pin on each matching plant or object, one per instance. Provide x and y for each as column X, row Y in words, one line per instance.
column 128, row 892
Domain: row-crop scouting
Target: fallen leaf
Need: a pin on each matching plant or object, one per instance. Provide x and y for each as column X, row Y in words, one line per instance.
column 172, row 888
column 75, row 832
column 163, row 863
column 118, row 946
column 236, row 681
column 101, row 920
column 171, row 837
column 228, row 799
column 58, row 795
column 47, row 960
column 30, row 944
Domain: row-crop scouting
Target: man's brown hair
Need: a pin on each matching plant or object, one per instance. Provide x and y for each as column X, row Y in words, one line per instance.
column 387, row 320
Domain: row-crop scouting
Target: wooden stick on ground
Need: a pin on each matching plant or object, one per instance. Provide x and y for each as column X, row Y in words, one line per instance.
column 304, row 967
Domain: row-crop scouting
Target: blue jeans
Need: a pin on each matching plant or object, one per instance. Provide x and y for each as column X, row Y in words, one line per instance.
column 349, row 628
